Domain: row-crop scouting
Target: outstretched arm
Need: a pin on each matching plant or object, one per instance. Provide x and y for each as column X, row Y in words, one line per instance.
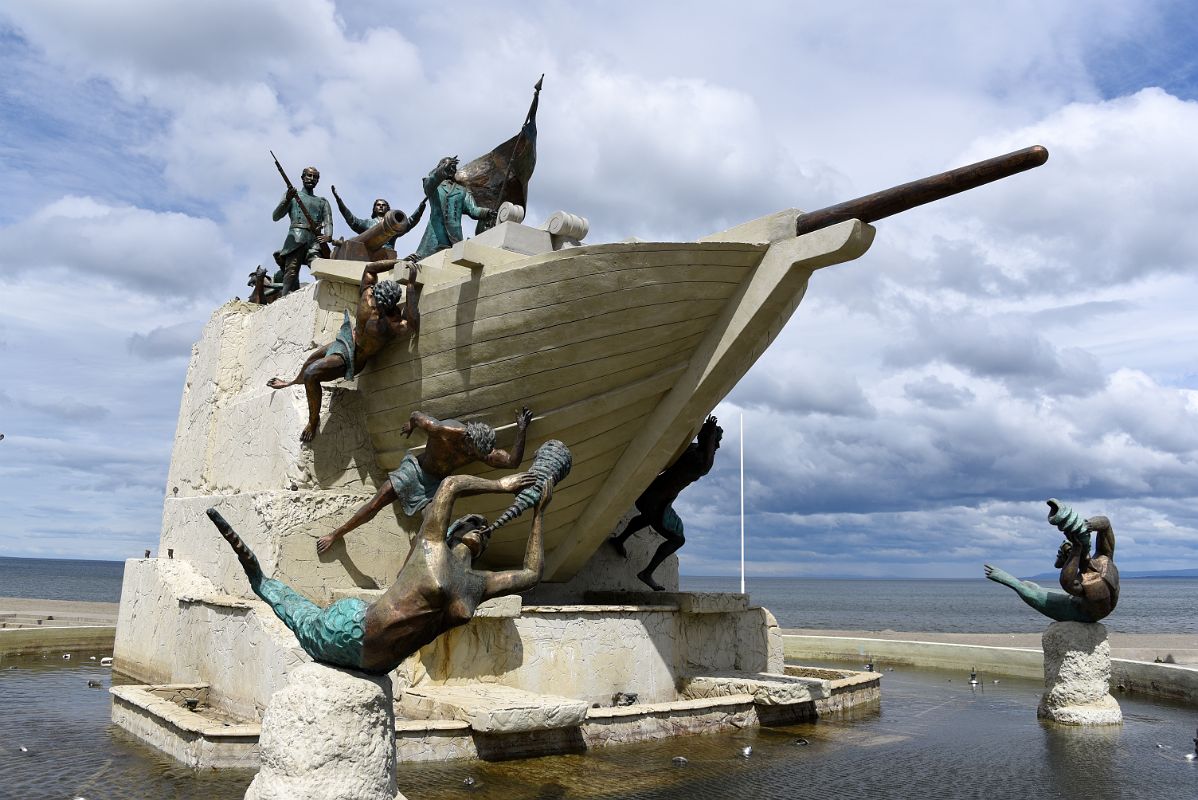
column 474, row 210
column 356, row 225
column 370, row 275
column 504, row 459
column 427, row 423
column 519, row 580
column 438, row 513
column 412, row 219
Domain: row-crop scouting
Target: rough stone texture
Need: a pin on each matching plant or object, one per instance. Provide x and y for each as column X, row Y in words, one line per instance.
column 329, row 735
column 1077, row 675
column 766, row 689
column 490, row 708
column 687, row 602
column 638, row 723
column 282, row 528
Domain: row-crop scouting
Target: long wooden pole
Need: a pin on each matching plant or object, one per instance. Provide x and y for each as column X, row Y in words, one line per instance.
column 879, row 205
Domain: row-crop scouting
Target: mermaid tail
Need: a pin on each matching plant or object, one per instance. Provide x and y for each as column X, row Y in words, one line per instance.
column 550, row 465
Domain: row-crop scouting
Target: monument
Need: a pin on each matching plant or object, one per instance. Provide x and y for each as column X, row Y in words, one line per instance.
column 1077, row 655
column 620, row 348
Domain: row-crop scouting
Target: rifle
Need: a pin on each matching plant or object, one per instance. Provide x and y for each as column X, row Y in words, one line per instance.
column 876, row 206
column 323, row 247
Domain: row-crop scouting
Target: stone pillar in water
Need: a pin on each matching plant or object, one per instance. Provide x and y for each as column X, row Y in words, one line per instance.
column 328, row 735
column 1077, row 675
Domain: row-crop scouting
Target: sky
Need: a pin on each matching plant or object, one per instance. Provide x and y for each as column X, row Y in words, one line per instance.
column 1030, row 339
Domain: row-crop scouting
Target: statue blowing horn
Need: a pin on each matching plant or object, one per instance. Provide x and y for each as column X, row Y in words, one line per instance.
column 551, row 465
column 1065, row 519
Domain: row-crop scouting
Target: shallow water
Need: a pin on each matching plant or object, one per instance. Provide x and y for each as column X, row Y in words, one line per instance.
column 931, row 736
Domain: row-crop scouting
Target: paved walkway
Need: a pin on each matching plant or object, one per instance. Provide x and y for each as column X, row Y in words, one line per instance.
column 1173, row 648
column 26, row 612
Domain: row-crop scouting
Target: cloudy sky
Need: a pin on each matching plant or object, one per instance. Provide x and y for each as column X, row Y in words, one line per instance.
column 1031, row 339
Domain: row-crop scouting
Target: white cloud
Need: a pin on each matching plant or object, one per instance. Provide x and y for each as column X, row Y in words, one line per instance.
column 991, row 350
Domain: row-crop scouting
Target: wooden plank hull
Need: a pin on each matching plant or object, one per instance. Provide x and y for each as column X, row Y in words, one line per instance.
column 619, row 349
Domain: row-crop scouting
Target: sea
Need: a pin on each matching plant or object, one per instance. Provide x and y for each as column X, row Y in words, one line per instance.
column 1146, row 605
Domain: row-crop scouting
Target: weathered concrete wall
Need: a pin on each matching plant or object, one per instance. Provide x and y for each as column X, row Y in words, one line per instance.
column 1170, row 681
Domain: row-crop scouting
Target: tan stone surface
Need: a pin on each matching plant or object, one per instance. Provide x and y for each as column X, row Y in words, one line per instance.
column 329, row 735
column 1181, row 648
column 1077, row 675
column 491, row 708
column 67, row 611
column 766, row 689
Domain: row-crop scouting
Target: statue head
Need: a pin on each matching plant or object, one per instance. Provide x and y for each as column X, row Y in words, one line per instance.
column 481, row 437
column 310, row 177
column 387, row 295
column 381, row 207
column 447, row 168
column 472, row 531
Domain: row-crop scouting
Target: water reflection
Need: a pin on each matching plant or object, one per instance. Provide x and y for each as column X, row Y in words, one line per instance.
column 1082, row 761
column 932, row 736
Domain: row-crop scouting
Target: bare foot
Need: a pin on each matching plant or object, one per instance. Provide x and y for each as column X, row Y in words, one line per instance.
column 647, row 579
column 618, row 546
column 278, row 383
column 309, row 432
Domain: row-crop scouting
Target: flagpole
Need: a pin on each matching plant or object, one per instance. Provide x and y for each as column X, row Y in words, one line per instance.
column 742, row 502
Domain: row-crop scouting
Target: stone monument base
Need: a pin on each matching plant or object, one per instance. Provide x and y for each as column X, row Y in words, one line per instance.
column 328, row 735
column 1077, row 676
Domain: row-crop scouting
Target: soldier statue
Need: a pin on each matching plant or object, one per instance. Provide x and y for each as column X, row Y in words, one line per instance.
column 302, row 242
column 448, row 201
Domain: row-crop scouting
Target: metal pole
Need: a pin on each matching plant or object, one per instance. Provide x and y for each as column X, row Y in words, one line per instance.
column 742, row 502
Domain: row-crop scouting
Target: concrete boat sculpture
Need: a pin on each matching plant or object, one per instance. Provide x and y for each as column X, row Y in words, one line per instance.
column 621, row 350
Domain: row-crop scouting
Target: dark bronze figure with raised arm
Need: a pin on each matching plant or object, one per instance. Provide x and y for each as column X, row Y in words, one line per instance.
column 656, row 504
column 310, row 229
column 1091, row 583
column 382, row 229
column 450, row 446
column 381, row 317
column 436, row 590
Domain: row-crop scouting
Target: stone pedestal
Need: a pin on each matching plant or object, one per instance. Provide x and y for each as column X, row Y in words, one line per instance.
column 1077, row 675
column 329, row 735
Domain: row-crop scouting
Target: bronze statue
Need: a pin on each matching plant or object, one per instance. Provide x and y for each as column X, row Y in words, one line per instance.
column 381, row 317
column 450, row 446
column 436, row 590
column 448, row 201
column 310, row 230
column 1091, row 583
column 656, row 503
column 502, row 175
column 376, row 236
